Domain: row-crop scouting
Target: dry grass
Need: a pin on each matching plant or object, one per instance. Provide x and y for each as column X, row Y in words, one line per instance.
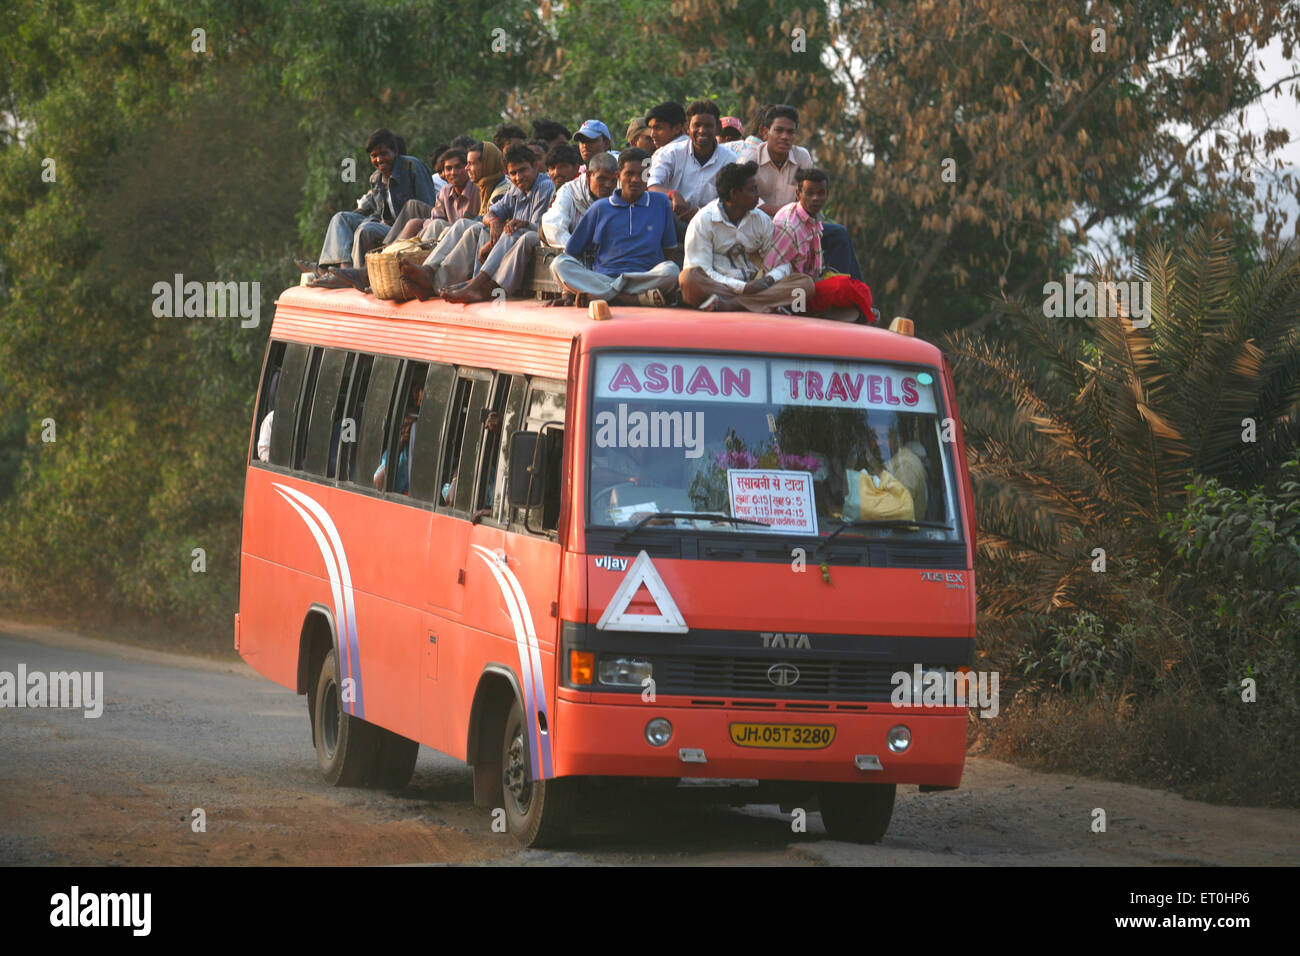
column 1237, row 754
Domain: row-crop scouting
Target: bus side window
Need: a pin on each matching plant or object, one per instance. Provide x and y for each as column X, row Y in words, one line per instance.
column 428, row 437
column 354, row 408
column 342, row 429
column 287, row 394
column 503, row 412
column 464, row 427
column 266, row 400
column 394, row 470
column 299, row 458
column 546, row 404
column 326, row 411
column 377, row 398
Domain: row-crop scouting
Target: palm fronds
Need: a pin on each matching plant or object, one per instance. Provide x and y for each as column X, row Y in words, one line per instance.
column 1084, row 437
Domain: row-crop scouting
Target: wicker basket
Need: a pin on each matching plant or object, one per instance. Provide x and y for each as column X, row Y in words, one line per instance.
column 384, row 268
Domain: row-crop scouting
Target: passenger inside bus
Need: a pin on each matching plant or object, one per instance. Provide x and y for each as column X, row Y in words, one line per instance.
column 405, row 439
column 264, row 431
column 491, row 456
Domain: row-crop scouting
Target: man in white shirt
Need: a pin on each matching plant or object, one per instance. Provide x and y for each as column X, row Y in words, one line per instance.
column 779, row 161
column 685, row 169
column 725, row 247
column 667, row 123
column 575, row 198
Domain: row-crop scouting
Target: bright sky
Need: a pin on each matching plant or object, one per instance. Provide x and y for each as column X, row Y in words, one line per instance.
column 1278, row 109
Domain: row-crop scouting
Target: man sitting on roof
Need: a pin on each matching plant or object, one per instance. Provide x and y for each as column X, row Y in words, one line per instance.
column 797, row 240
column 726, row 245
column 628, row 232
column 460, row 199
column 550, row 132
column 732, row 131
column 474, row 259
column 686, row 168
column 352, row 234
column 573, row 199
column 639, row 135
column 593, row 139
column 779, row 159
column 667, row 123
column 508, row 135
column 562, row 164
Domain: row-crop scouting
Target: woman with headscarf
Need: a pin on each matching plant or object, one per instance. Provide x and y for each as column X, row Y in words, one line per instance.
column 487, row 167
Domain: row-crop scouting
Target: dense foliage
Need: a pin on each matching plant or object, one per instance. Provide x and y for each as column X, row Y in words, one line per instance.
column 1139, row 514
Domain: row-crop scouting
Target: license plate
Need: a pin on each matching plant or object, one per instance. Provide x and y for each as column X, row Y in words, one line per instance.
column 785, row 736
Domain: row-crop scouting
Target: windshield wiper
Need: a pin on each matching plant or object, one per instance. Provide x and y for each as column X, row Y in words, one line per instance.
column 884, row 523
column 692, row 515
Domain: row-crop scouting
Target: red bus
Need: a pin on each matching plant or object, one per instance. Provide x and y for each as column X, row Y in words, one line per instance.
column 666, row 544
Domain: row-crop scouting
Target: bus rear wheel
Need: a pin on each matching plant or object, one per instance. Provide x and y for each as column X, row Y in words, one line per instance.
column 345, row 745
column 856, row 812
column 537, row 811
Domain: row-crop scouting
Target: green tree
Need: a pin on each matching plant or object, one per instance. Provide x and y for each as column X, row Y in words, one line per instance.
column 134, row 148
column 1087, row 436
column 974, row 147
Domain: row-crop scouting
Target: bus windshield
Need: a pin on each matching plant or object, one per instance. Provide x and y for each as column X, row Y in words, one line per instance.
column 770, row 445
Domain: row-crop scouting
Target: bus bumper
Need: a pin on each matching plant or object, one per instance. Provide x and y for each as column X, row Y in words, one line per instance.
column 609, row 740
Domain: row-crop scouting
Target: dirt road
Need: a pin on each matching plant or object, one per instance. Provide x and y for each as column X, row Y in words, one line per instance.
column 180, row 734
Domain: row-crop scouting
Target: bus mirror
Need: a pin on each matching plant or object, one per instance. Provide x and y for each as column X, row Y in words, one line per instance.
column 523, row 450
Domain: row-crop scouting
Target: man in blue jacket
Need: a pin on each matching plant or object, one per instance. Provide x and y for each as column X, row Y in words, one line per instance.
column 397, row 178
column 629, row 232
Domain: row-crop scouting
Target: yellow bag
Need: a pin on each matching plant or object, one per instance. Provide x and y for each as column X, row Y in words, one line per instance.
column 871, row 497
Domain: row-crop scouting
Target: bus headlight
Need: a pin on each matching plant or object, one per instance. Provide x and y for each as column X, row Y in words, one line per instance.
column 625, row 671
column 899, row 739
column 658, row 732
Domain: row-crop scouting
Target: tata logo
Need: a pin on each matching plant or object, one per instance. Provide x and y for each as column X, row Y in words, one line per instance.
column 952, row 579
column 611, row 564
column 798, row 642
column 783, row 675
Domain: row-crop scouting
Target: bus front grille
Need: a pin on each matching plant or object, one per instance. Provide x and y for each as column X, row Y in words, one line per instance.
column 767, row 678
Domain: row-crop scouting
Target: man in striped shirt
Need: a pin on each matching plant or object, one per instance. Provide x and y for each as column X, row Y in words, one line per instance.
column 797, row 241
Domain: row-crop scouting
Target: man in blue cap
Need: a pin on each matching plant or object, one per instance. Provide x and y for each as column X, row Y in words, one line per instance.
column 593, row 139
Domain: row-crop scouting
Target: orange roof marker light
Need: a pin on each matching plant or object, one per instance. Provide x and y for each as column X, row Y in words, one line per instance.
column 598, row 310
column 902, row 325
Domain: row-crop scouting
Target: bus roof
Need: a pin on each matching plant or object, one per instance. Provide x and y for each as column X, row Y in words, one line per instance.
column 525, row 335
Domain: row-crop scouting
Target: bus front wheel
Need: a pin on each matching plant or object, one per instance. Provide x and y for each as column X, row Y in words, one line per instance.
column 345, row 745
column 856, row 812
column 537, row 811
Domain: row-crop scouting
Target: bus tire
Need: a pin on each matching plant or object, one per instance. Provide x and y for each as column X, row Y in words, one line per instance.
column 345, row 745
column 538, row 812
column 394, row 760
column 856, row 812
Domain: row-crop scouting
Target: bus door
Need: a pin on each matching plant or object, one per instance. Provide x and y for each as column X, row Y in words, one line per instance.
column 533, row 552
column 490, row 590
column 445, row 570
